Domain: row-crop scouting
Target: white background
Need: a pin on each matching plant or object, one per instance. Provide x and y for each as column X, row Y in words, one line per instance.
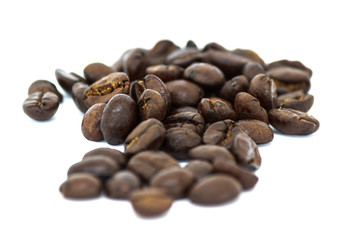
column 308, row 187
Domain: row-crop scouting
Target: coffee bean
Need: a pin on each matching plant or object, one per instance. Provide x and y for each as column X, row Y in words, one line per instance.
column 248, row 107
column 251, row 69
column 148, row 135
column 287, row 63
column 213, row 46
column 232, row 87
column 151, row 105
column 221, row 133
column 215, row 189
column 174, row 181
column 67, row 80
column 133, row 62
column 210, row 153
column 78, row 95
column 184, row 109
column 216, row 109
column 166, row 72
column 190, row 120
column 263, row 88
column 297, row 100
column 41, row 106
column 184, row 93
column 105, row 88
column 199, row 168
column 205, row 74
column 115, row 155
column 290, row 121
column 245, row 151
column 259, row 131
column 160, row 51
column 249, row 54
column 81, row 186
column 191, row 44
column 96, row 71
column 150, row 202
column 119, row 118
column 147, row 163
column 90, row 125
column 183, row 57
column 121, row 185
column 44, row 86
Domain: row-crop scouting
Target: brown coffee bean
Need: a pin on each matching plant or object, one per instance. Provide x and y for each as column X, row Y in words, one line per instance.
column 213, row 46
column 245, row 151
column 248, row 107
column 259, row 131
column 215, row 189
column 147, row 163
column 287, row 63
column 290, row 121
column 183, row 57
column 78, row 95
column 221, row 133
column 297, row 100
column 184, row 93
column 151, row 105
column 232, row 87
column 263, row 88
column 199, row 168
column 44, row 86
column 160, row 51
column 249, row 54
column 191, row 44
column 190, row 120
column 106, row 152
column 121, row 185
column 133, row 62
column 251, row 69
column 216, row 109
column 41, row 106
column 184, row 109
column 148, row 135
column 67, row 80
column 153, row 82
column 166, row 72
column 81, row 186
column 150, row 202
column 205, row 74
column 210, row 153
column 105, row 88
column 119, row 118
column 174, row 181
column 96, row 71
column 90, row 125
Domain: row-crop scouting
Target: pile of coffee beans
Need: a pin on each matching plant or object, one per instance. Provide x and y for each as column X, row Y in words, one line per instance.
column 208, row 107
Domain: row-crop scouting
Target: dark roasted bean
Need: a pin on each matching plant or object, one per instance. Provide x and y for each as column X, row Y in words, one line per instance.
column 41, row 106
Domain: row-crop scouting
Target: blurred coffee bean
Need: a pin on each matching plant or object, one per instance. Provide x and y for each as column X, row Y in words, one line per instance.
column 81, row 186
column 67, row 80
column 245, row 151
column 166, row 72
column 200, row 168
column 121, row 185
column 96, row 71
column 113, row 154
column 210, row 153
column 251, row 69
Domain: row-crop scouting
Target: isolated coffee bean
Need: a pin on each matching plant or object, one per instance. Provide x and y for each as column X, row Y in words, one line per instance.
column 290, row 121
column 232, row 87
column 199, row 168
column 67, row 80
column 210, row 153
column 151, row 105
column 160, row 51
column 190, row 120
column 148, row 135
column 259, row 131
column 216, row 109
column 166, row 72
column 147, row 163
column 183, row 57
column 221, row 133
column 215, row 189
column 263, row 88
column 81, row 186
column 96, row 71
column 105, row 152
column 105, row 88
column 297, row 100
column 134, row 63
column 78, row 95
column 119, row 118
column 248, row 107
column 121, row 185
column 184, row 93
column 251, row 69
column 174, row 181
column 245, row 151
column 44, row 86
column 150, row 202
column 205, row 74
column 41, row 106
column 90, row 125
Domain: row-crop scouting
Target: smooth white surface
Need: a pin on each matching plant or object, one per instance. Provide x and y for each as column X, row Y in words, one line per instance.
column 308, row 187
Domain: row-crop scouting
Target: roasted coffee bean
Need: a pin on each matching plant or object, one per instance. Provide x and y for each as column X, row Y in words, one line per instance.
column 221, row 133
column 216, row 109
column 150, row 202
column 81, row 186
column 297, row 100
column 44, row 86
column 160, row 51
column 251, row 69
column 205, row 74
column 215, row 189
column 190, row 120
column 259, row 131
column 290, row 121
column 148, row 135
column 119, row 118
column 248, row 107
column 184, row 109
column 263, row 88
column 245, row 151
column 113, row 154
column 151, row 105
column 67, row 80
column 232, row 87
column 191, row 44
column 96, row 71
column 184, row 57
column 210, row 153
column 166, row 72
column 105, row 88
column 41, row 106
column 174, row 181
column 121, row 185
column 147, row 163
column 213, row 46
column 179, row 141
column 247, row 179
column 78, row 95
column 199, row 168
column 184, row 93
column 90, row 125
column 287, row 63
column 249, row 54
column 133, row 62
